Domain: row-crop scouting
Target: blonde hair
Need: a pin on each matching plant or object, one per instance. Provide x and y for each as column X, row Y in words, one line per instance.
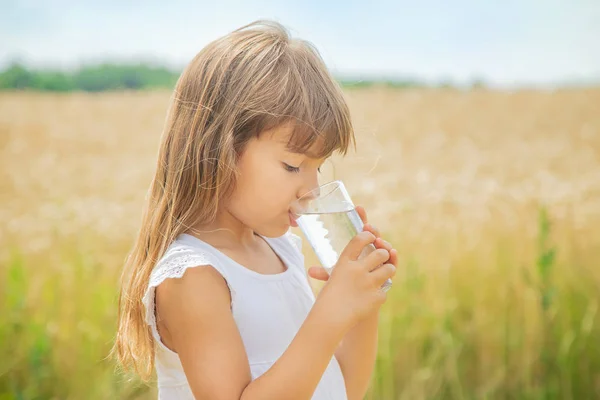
column 253, row 79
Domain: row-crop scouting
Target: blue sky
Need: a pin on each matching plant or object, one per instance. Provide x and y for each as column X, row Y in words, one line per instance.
column 510, row 43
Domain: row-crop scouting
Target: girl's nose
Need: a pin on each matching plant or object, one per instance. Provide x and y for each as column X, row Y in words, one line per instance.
column 311, row 194
column 306, row 194
column 301, row 205
column 310, row 190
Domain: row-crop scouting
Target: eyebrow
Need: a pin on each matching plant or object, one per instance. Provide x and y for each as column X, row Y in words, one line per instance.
column 288, row 149
column 296, row 152
column 300, row 153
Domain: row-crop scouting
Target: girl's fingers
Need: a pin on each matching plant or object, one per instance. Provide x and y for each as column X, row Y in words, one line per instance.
column 377, row 258
column 393, row 257
column 381, row 274
column 318, row 273
column 372, row 229
column 367, row 227
column 379, row 242
column 382, row 244
column 362, row 214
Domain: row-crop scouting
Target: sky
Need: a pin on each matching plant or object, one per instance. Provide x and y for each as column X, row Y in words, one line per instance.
column 505, row 44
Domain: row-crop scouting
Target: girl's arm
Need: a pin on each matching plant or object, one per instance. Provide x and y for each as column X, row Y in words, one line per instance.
column 212, row 353
column 195, row 310
column 356, row 355
column 358, row 351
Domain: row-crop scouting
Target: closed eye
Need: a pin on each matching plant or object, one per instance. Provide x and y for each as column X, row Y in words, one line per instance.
column 290, row 168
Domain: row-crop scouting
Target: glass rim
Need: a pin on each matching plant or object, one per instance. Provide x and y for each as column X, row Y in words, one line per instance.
column 319, row 189
column 318, row 195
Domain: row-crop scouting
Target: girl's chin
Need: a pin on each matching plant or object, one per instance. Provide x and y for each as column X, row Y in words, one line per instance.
column 293, row 222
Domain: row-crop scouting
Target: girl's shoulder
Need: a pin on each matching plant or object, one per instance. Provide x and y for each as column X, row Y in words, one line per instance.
column 176, row 260
column 187, row 252
column 178, row 257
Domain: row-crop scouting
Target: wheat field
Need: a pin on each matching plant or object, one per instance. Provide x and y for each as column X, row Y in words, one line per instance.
column 491, row 197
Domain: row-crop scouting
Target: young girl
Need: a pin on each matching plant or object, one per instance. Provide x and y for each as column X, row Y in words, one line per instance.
column 215, row 295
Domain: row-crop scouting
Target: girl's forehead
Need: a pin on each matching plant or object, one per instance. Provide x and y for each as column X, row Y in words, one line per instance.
column 282, row 135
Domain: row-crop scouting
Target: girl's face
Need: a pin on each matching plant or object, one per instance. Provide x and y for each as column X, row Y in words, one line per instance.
column 271, row 178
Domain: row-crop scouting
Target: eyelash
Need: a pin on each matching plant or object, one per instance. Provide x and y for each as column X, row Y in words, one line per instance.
column 289, row 168
column 295, row 170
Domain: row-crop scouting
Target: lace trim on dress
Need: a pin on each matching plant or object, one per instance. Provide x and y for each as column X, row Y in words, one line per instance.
column 173, row 265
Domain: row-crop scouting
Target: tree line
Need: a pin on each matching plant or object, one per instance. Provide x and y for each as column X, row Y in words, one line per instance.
column 94, row 78
column 105, row 77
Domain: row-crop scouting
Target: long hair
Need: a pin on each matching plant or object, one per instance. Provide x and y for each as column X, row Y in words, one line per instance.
column 250, row 80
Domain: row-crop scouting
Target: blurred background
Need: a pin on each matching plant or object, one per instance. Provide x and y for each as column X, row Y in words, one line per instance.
column 478, row 130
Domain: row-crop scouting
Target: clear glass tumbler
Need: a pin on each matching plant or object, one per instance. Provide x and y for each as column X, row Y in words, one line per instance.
column 329, row 220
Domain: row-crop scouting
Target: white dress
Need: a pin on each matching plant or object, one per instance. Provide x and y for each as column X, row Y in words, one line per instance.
column 268, row 310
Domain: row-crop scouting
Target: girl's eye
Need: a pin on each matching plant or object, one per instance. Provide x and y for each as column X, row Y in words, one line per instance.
column 289, row 168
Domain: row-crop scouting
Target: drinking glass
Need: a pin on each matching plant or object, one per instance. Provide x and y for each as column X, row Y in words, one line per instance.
column 329, row 220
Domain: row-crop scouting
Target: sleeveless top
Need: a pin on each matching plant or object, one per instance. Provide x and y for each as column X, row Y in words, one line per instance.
column 268, row 310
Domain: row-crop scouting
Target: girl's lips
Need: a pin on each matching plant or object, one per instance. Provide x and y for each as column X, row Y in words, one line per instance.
column 292, row 220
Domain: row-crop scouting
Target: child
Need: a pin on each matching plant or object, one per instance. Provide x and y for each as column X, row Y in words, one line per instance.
column 215, row 295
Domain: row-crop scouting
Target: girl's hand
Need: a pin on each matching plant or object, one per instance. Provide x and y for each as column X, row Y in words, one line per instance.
column 321, row 274
column 354, row 289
